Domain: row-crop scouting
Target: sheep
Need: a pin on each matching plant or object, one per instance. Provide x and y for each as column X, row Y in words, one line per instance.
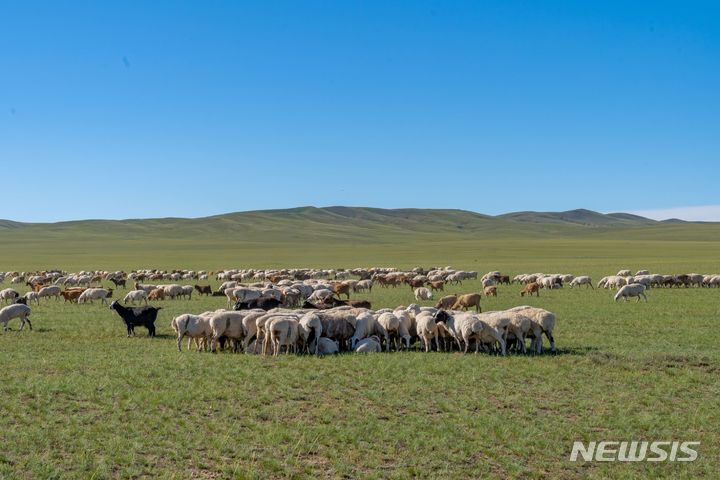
column 339, row 323
column 407, row 329
column 172, row 291
column 325, row 346
column 281, row 330
column 95, row 294
column 230, row 324
column 30, row 296
column 363, row 285
column 17, row 310
column 135, row 296
column 319, row 296
column 446, row 302
column 187, row 291
column 624, row 273
column 9, row 294
column 50, row 291
column 465, row 327
column 632, row 290
column 490, row 291
column 194, row 326
column 642, row 272
column 427, row 329
column 582, row 280
column 468, row 300
column 391, row 324
column 542, row 321
column 369, row 345
column 309, row 330
column 422, row 293
column 367, row 325
column 147, row 288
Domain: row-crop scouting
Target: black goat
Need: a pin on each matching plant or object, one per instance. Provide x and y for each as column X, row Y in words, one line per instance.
column 137, row 317
column 263, row 303
column 118, row 282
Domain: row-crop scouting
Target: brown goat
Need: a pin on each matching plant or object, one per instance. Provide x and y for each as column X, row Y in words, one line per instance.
column 530, row 288
column 468, row 300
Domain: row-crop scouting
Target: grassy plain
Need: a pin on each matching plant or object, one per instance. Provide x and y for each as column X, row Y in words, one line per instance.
column 82, row 401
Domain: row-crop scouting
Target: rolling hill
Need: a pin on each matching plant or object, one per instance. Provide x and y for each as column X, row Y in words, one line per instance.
column 311, row 233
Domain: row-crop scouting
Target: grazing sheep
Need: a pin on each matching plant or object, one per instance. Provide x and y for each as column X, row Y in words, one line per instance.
column 427, row 329
column 30, row 296
column 9, row 294
column 232, row 325
column 309, row 330
column 17, row 310
column 95, row 294
column 363, row 285
column 543, row 321
column 367, row 325
column 187, row 291
column 194, row 327
column 423, row 293
column 281, row 330
column 369, row 345
column 135, row 296
column 582, row 280
column 642, row 272
column 624, row 273
column 468, row 300
column 391, row 324
column 632, row 290
column 50, row 291
column 490, row 291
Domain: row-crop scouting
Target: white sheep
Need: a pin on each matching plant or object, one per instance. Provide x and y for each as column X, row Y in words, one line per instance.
column 17, row 310
column 582, row 280
column 369, row 345
column 9, row 294
column 624, row 273
column 135, row 296
column 325, row 346
column 427, row 329
column 30, row 296
column 194, row 327
column 632, row 290
column 423, row 293
column 49, row 291
column 94, row 294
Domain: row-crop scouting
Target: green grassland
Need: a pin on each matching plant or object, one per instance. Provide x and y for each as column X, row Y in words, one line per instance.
column 82, row 401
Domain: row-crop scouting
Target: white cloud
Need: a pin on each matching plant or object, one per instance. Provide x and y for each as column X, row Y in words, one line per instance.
column 702, row 213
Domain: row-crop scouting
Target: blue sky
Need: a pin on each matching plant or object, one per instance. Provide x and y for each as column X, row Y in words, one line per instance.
column 146, row 109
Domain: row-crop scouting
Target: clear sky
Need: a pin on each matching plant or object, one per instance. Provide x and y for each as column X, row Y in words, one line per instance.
column 145, row 109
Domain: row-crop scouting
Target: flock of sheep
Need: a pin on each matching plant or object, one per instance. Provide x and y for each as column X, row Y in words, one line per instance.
column 305, row 295
column 338, row 329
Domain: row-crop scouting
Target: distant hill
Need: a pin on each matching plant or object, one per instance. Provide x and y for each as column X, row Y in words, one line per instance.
column 581, row 217
column 316, row 235
column 311, row 222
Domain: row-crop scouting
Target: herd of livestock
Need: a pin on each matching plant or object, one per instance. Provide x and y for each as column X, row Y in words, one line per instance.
column 303, row 310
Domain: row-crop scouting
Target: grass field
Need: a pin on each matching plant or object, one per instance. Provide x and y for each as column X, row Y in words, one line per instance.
column 82, row 401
